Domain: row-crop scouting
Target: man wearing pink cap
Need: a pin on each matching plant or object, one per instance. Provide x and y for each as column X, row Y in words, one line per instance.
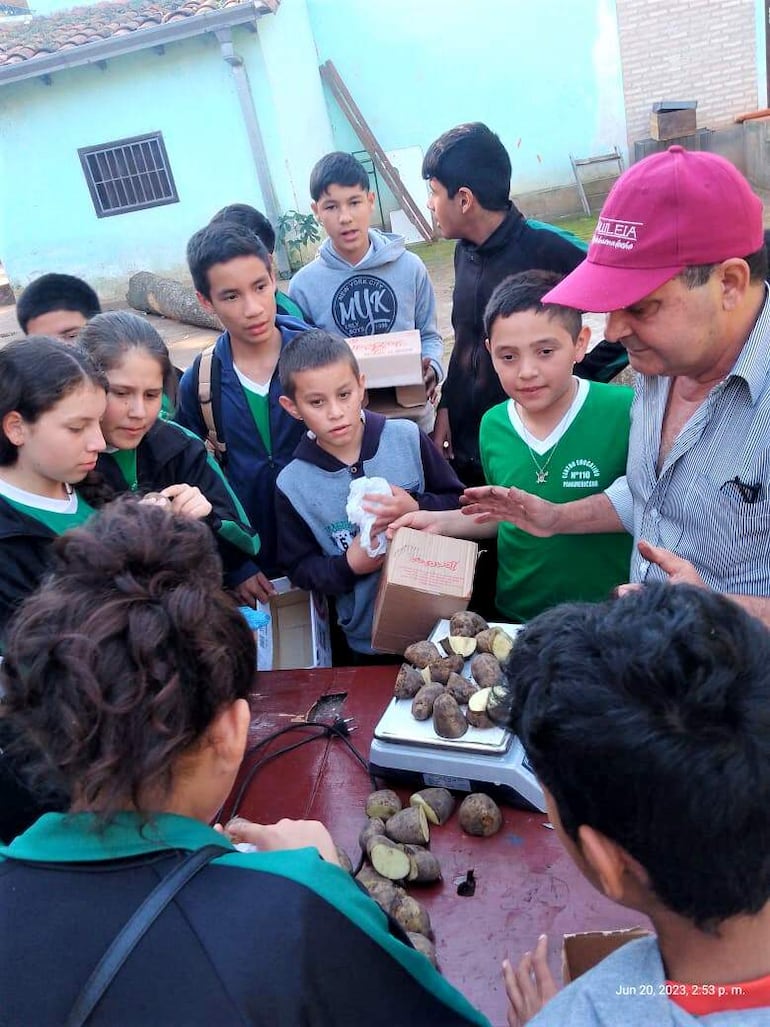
column 678, row 258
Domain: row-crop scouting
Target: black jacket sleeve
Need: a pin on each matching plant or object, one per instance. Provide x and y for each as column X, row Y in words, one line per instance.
column 442, row 486
column 237, row 541
column 23, row 564
column 300, row 555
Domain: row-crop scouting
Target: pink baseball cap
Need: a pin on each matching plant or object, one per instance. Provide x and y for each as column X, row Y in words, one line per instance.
column 668, row 212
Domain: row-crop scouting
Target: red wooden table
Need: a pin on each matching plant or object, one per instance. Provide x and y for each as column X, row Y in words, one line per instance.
column 526, row 883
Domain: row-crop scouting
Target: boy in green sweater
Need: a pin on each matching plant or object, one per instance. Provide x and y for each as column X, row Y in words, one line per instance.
column 558, row 435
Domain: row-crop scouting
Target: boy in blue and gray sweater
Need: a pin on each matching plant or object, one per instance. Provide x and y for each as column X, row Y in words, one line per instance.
column 320, row 549
column 363, row 281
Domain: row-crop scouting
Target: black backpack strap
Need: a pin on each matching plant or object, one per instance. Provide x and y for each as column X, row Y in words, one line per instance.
column 134, row 930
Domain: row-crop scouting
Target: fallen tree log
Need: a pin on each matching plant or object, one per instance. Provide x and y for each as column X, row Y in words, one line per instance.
column 155, row 295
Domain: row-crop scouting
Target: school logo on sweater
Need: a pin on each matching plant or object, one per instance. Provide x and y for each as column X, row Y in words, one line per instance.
column 342, row 534
column 580, row 474
column 364, row 305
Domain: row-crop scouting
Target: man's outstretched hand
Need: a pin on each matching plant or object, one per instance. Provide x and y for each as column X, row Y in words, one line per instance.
column 495, row 503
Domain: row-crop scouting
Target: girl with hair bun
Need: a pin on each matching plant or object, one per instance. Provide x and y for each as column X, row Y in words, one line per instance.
column 146, row 454
column 126, row 677
column 52, row 398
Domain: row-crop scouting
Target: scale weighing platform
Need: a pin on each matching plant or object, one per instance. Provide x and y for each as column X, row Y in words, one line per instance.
column 490, row 759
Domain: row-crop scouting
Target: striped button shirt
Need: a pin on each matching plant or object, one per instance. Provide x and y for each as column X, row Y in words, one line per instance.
column 710, row 503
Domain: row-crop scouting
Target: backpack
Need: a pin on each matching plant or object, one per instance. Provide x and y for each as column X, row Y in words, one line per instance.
column 209, row 396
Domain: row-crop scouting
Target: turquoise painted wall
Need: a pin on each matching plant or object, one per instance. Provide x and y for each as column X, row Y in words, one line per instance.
column 545, row 76
column 188, row 94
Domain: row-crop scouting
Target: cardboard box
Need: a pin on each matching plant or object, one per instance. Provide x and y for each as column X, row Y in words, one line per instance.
column 581, row 952
column 298, row 633
column 392, row 363
column 425, row 578
column 671, row 119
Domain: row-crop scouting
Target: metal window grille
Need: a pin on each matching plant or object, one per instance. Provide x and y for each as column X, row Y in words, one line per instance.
column 129, row 174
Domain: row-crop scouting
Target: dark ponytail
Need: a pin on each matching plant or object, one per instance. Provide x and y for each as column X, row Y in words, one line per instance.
column 119, row 663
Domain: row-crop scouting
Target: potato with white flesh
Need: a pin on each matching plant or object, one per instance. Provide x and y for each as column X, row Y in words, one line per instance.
column 466, row 623
column 441, row 669
column 409, row 681
column 369, row 878
column 495, row 641
column 479, row 815
column 422, row 704
column 420, row 654
column 448, row 721
column 383, row 803
column 438, row 804
column 409, row 826
column 463, row 645
column 486, row 670
column 424, row 945
column 388, row 858
column 479, row 700
column 425, row 867
column 412, row 916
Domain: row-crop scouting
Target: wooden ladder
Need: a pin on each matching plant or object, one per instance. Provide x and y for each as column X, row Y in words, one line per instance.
column 582, row 162
column 390, row 175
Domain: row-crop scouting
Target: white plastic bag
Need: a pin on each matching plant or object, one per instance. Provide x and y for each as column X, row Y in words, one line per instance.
column 359, row 488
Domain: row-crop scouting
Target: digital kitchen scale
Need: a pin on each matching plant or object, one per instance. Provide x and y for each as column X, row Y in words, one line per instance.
column 491, row 759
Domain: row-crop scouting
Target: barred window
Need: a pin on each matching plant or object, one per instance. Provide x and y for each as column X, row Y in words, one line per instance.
column 129, row 174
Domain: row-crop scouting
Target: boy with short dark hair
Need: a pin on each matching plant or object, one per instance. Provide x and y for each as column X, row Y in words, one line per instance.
column 469, row 176
column 57, row 305
column 232, row 274
column 364, row 281
column 323, row 387
column 555, row 434
column 255, row 221
column 647, row 721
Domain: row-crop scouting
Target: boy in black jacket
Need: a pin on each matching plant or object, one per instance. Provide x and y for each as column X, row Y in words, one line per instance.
column 469, row 176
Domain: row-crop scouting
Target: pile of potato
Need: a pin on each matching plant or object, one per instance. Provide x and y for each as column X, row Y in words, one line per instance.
column 394, row 843
column 433, row 680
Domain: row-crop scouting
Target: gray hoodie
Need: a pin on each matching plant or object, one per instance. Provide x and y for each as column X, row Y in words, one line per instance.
column 628, row 989
column 388, row 291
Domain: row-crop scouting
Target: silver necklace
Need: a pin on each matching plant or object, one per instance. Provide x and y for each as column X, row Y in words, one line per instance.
column 541, row 470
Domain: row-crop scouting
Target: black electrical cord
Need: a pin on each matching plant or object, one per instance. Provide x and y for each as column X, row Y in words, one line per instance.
column 339, row 729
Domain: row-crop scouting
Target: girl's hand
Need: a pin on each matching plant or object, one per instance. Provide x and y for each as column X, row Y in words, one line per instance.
column 388, row 508
column 256, row 589
column 286, row 834
column 188, row 501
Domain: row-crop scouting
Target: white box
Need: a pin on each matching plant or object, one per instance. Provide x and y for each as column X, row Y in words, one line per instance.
column 298, row 634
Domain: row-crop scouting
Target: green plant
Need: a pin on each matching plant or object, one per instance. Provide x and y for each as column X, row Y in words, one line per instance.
column 295, row 231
